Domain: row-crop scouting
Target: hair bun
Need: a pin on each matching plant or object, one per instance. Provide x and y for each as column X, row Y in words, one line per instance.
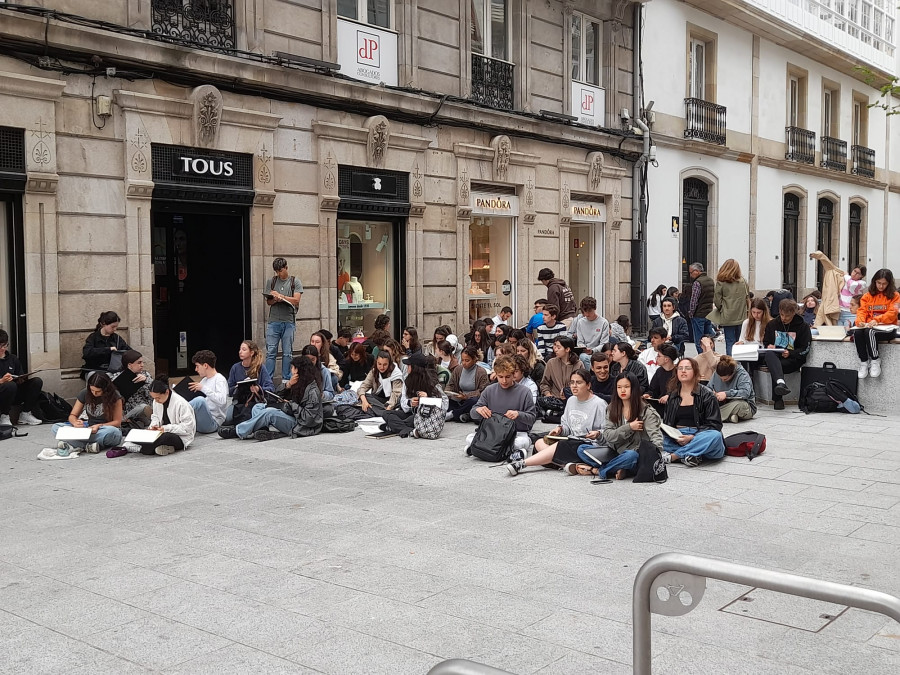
column 162, row 377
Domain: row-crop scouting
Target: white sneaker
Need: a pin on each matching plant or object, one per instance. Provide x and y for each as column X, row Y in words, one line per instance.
column 28, row 418
column 4, row 419
column 131, row 447
column 92, row 448
column 874, row 368
column 863, row 371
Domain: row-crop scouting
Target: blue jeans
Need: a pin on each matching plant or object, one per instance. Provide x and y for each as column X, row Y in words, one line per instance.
column 709, row 444
column 106, row 436
column 627, row 460
column 732, row 335
column 280, row 332
column 206, row 423
column 263, row 418
column 702, row 327
column 585, row 361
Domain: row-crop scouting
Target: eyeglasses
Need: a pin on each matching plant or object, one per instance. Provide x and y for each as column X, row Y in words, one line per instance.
column 685, row 369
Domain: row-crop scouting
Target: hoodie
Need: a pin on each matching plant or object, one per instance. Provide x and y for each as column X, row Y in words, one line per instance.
column 559, row 294
column 795, row 337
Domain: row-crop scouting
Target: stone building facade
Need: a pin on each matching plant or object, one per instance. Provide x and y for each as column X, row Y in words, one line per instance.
column 154, row 164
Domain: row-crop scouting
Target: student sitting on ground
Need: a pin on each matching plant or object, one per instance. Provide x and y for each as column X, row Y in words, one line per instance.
column 676, row 325
column 209, row 409
column 98, row 406
column 250, row 366
column 754, row 329
column 514, row 336
column 629, row 420
column 357, row 365
column 693, row 409
column 15, row 389
column 589, row 330
column 583, row 417
column 555, row 383
column 415, row 419
column 136, row 405
column 467, row 382
column 624, row 360
column 619, row 329
column 100, row 345
column 440, row 334
column 300, row 414
column 511, row 400
column 877, row 314
column 382, row 387
column 536, row 320
column 522, row 375
column 546, row 333
column 483, row 342
column 312, row 353
column 601, row 383
column 789, row 333
column 173, row 416
column 659, row 385
column 410, row 341
column 322, row 343
column 445, row 354
column 397, row 352
column 525, row 347
column 734, row 391
column 647, row 357
column 501, row 350
column 340, row 346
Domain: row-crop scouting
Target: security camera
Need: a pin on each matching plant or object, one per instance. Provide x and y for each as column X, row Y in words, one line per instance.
column 623, row 113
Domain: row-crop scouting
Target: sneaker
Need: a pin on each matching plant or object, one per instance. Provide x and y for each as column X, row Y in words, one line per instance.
column 30, row 419
column 516, row 456
column 164, row 450
column 5, row 421
column 63, row 449
column 692, row 460
column 515, row 467
column 779, row 404
column 781, row 389
column 465, row 417
column 131, row 447
column 874, row 371
column 448, row 416
column 667, row 457
column 266, row 435
column 92, row 448
column 863, row 371
column 734, row 418
column 228, row 432
column 112, row 453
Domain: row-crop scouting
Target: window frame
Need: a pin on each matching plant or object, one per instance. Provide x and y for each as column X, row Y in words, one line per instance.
column 582, row 50
column 697, row 36
column 831, row 109
column 801, row 78
column 487, row 39
column 362, row 14
column 859, row 130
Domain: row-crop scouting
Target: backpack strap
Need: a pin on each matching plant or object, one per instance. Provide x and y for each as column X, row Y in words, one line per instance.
column 757, row 444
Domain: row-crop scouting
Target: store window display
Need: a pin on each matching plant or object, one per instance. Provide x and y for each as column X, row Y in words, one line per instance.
column 365, row 275
column 491, row 257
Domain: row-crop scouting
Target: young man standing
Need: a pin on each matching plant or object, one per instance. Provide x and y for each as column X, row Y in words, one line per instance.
column 589, row 330
column 283, row 293
column 209, row 409
column 559, row 294
column 14, row 389
column 511, row 400
column 547, row 332
column 502, row 318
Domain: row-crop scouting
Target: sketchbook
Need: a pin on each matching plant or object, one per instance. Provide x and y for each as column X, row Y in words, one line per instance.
column 73, row 433
column 142, row 436
column 670, row 431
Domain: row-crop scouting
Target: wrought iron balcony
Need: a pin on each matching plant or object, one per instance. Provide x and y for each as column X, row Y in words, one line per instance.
column 834, row 154
column 801, row 145
column 704, row 120
column 206, row 24
column 863, row 159
column 492, row 82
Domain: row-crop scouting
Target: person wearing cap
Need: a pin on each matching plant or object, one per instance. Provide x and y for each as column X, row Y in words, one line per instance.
column 283, row 293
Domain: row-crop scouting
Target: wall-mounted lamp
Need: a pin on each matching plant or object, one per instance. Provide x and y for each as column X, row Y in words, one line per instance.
column 382, row 244
column 368, row 231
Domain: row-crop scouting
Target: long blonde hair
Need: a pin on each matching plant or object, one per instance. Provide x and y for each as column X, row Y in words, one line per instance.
column 256, row 358
column 532, row 351
column 757, row 303
column 729, row 272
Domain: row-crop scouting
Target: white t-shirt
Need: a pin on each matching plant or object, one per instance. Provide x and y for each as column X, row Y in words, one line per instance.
column 757, row 339
column 216, row 391
column 648, row 358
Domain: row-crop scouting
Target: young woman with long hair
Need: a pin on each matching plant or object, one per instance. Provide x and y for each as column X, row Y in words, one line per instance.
column 654, row 301
column 358, row 364
column 172, row 415
column 311, row 352
column 322, row 342
column 624, row 360
column 410, row 341
column 694, row 411
column 731, row 298
column 554, row 384
column 467, row 381
column 483, row 342
column 133, row 369
column 100, row 345
column 878, row 310
column 415, row 419
column 100, row 406
column 382, row 387
column 525, row 347
column 250, row 366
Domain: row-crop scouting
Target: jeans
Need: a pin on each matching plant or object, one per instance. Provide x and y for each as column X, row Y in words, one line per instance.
column 280, row 332
column 626, row 460
column 732, row 335
column 460, row 408
column 106, row 436
column 708, row 443
column 585, row 361
column 263, row 418
column 702, row 326
column 206, row 424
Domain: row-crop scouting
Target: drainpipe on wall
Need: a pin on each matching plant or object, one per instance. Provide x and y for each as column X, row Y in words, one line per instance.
column 639, row 204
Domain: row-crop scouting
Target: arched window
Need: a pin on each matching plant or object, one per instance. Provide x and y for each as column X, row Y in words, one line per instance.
column 789, row 241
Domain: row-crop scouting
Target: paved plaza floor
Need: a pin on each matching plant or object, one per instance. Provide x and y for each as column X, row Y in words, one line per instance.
column 344, row 554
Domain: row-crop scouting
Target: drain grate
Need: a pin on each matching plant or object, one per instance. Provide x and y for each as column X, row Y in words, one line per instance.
column 785, row 610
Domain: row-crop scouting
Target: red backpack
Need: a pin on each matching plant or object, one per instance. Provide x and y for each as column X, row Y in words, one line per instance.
column 747, row 444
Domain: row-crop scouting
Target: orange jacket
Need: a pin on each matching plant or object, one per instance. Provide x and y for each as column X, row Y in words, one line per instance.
column 878, row 309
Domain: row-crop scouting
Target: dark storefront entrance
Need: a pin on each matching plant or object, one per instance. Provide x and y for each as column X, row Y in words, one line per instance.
column 201, row 255
column 12, row 241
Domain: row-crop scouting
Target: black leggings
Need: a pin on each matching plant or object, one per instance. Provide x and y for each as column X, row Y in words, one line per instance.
column 164, row 439
column 25, row 393
column 867, row 339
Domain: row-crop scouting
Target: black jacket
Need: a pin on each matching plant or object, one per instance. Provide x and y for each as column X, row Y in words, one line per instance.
column 638, row 369
column 680, row 333
column 356, row 371
column 96, row 350
column 706, row 409
column 11, row 365
column 307, row 412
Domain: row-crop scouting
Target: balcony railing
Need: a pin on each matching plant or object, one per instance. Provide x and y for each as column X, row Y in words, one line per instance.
column 492, row 82
column 801, row 145
column 704, row 120
column 834, row 154
column 206, row 24
column 863, row 159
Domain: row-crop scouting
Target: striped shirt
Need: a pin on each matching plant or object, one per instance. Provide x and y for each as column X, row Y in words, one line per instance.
column 545, row 336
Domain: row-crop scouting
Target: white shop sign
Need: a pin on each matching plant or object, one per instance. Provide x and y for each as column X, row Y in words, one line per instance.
column 588, row 212
column 367, row 53
column 589, row 104
column 485, row 204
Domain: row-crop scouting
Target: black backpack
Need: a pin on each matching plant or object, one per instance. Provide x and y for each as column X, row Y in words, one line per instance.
column 53, row 408
column 814, row 398
column 842, row 395
column 494, row 439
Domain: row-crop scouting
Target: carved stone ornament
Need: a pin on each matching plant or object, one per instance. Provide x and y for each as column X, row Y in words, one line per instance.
column 329, row 168
column 207, row 114
column 595, row 159
column 565, row 197
column 502, row 153
column 464, row 187
column 379, row 136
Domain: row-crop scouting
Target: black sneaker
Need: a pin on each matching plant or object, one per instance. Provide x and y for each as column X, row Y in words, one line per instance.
column 515, row 467
column 516, row 456
column 779, row 404
column 228, row 432
column 266, row 435
column 692, row 460
column 781, row 389
column 465, row 417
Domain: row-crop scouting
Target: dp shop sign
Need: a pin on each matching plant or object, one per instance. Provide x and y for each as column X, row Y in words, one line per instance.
column 588, row 104
column 367, row 53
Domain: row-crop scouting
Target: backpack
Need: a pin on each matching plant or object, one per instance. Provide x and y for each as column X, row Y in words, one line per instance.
column 747, row 444
column 337, row 425
column 429, row 421
column 846, row 400
column 650, row 467
column 494, row 439
column 780, row 295
column 815, row 398
column 9, row 431
column 53, row 408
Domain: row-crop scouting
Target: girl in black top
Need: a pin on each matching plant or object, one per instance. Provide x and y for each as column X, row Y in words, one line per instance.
column 100, row 345
column 358, row 364
column 666, row 356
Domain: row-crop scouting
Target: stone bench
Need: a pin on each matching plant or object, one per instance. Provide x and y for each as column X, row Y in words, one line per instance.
column 762, row 386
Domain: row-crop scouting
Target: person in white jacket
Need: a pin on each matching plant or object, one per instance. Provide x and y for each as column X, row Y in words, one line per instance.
column 209, row 409
column 173, row 416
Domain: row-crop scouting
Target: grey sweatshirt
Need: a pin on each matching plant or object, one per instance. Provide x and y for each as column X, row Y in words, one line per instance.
column 517, row 397
column 740, row 386
column 590, row 334
column 582, row 417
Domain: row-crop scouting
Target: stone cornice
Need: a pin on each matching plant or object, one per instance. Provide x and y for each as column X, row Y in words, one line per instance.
column 524, row 159
column 702, row 148
column 139, row 189
column 477, row 152
column 812, row 170
column 341, row 132
column 250, row 118
column 150, row 103
column 28, row 86
column 408, row 141
column 41, row 183
column 572, row 166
